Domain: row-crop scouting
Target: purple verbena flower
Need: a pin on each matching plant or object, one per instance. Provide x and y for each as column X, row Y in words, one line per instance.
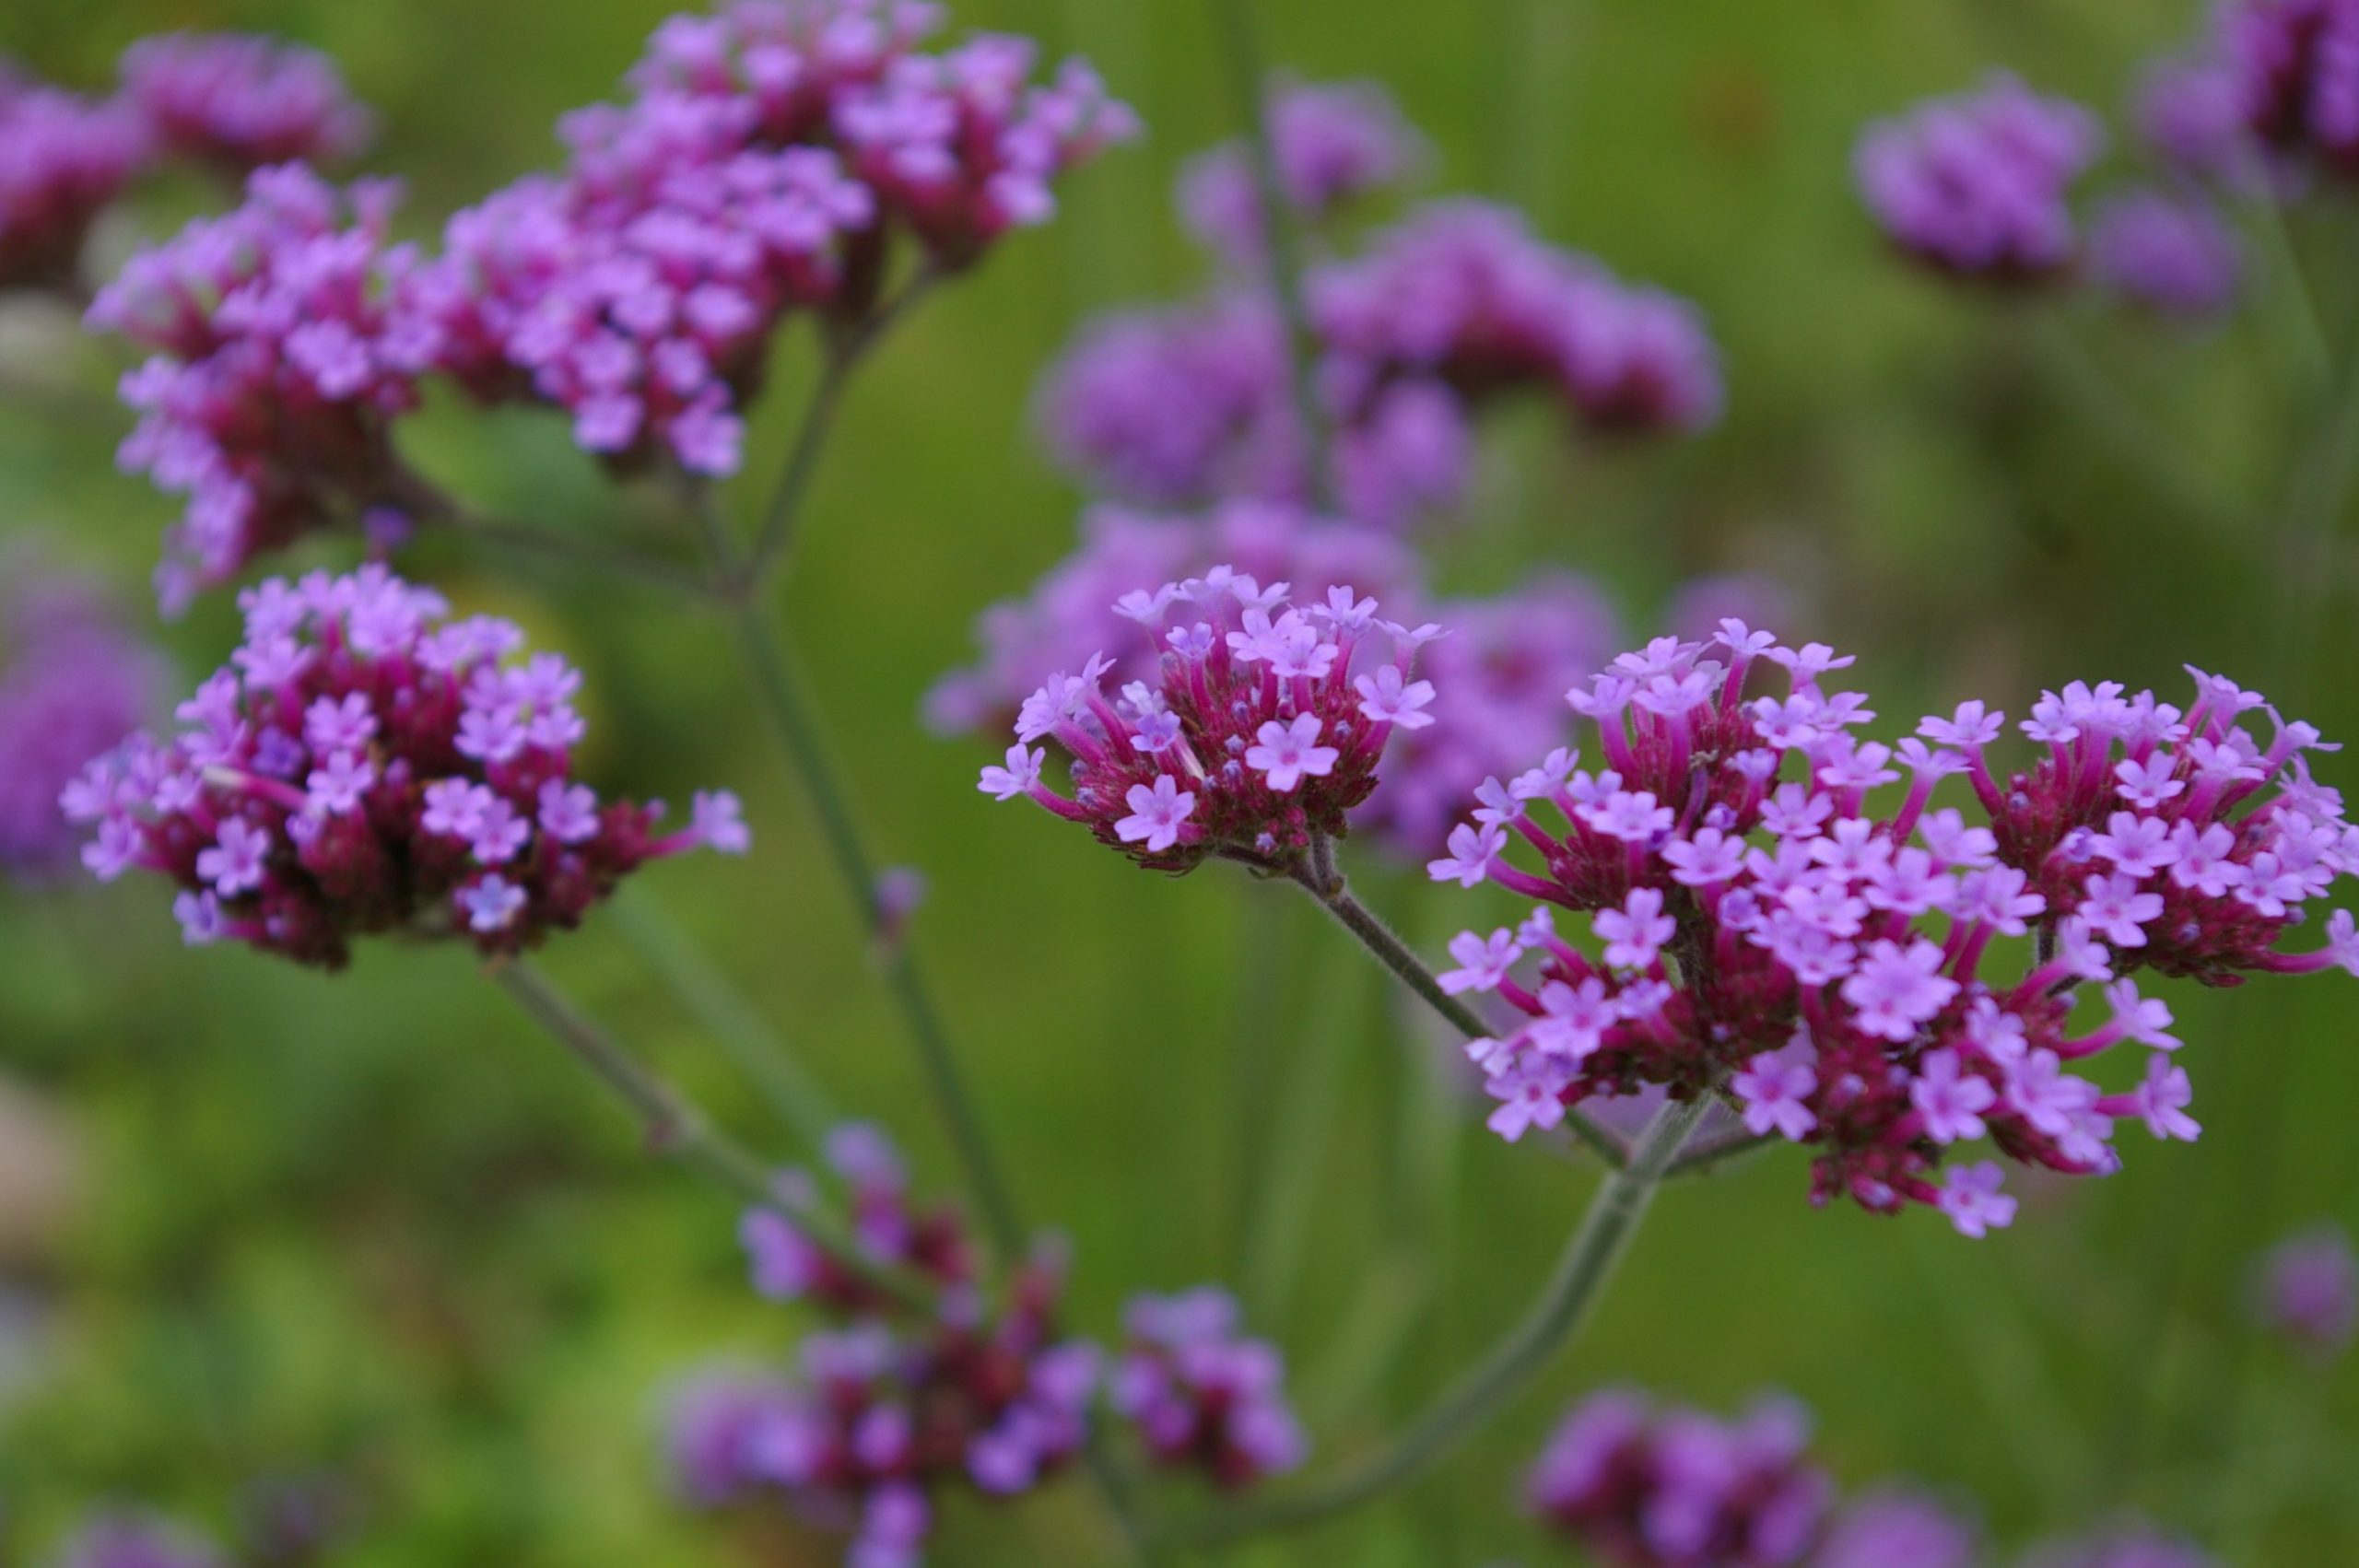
column 1975, row 185
column 1896, row 1526
column 2170, row 254
column 2307, row 1291
column 1676, row 1488
column 1334, row 143
column 1826, row 964
column 73, row 683
column 2295, row 68
column 399, row 824
column 240, row 102
column 117, row 1539
column 1201, row 1395
column 1274, row 745
column 63, row 159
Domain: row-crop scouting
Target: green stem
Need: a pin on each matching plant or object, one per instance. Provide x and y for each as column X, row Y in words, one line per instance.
column 751, row 1044
column 1706, row 1157
column 1564, row 1305
column 1283, row 242
column 778, row 689
column 1335, row 897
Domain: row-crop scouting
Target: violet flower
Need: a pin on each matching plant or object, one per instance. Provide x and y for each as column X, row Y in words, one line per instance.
column 1828, row 962
column 1334, row 143
column 1201, row 1395
column 2171, row 253
column 2307, row 1291
column 1976, row 185
column 73, row 682
column 367, row 764
column 63, row 159
column 239, row 102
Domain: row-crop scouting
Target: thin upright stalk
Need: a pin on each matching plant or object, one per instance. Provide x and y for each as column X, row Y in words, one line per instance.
column 778, row 690
column 623, row 562
column 1334, row 896
column 1281, row 242
column 1553, row 1319
column 723, row 1012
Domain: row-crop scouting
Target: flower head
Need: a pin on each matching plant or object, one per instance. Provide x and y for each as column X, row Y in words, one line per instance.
column 241, row 103
column 2308, row 1292
column 1975, row 185
column 2171, row 253
column 63, row 159
column 1334, row 143
column 1252, row 739
column 1670, row 1488
column 1200, row 1394
column 73, row 683
column 323, row 786
column 1759, row 923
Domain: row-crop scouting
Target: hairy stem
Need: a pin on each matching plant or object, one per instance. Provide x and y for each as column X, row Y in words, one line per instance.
column 1282, row 243
column 1564, row 1305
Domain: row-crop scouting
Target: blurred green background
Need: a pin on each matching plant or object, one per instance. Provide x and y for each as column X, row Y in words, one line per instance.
column 373, row 1225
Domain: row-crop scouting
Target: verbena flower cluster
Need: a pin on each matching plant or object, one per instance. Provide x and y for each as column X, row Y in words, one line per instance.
column 1639, row 1484
column 73, row 682
column 895, row 1408
column 1200, row 1394
column 2170, row 251
column 283, row 349
column 63, row 159
column 239, row 102
column 1977, row 185
column 774, row 159
column 121, row 1540
column 2295, row 68
column 368, row 764
column 1260, row 731
column 1647, row 1488
column 1334, row 143
column 1435, row 319
column 1759, row 927
column 2308, row 1292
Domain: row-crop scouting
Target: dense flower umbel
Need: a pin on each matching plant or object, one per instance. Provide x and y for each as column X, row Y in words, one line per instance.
column 2296, row 65
column 284, row 352
column 1975, row 185
column 1071, row 613
column 1643, row 1488
column 1832, row 963
column 2308, row 1292
column 366, row 764
column 2172, row 253
column 1260, row 731
column 1201, row 1395
column 1456, row 307
column 1463, row 292
column 1334, row 143
column 771, row 157
column 899, row 1407
column 73, row 683
column 62, row 158
column 240, row 102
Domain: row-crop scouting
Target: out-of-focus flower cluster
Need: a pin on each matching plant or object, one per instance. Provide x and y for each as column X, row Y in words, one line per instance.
column 1435, row 319
column 1334, row 143
column 1644, row 1488
column 286, row 344
column 773, row 158
column 2308, row 1292
column 367, row 763
column 1979, row 186
column 122, row 1540
column 1200, row 1394
column 1640, row 1485
column 227, row 101
column 1759, row 929
column 1260, row 731
column 73, row 682
column 970, row 1390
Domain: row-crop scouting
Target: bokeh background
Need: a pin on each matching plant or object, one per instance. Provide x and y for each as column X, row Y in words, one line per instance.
column 256, row 1223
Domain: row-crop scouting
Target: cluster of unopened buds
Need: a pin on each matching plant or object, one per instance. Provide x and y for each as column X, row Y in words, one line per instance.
column 367, row 764
column 1761, row 931
column 1260, row 731
column 1200, row 1394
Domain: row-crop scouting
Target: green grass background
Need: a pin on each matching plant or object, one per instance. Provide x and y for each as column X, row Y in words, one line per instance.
column 373, row 1225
